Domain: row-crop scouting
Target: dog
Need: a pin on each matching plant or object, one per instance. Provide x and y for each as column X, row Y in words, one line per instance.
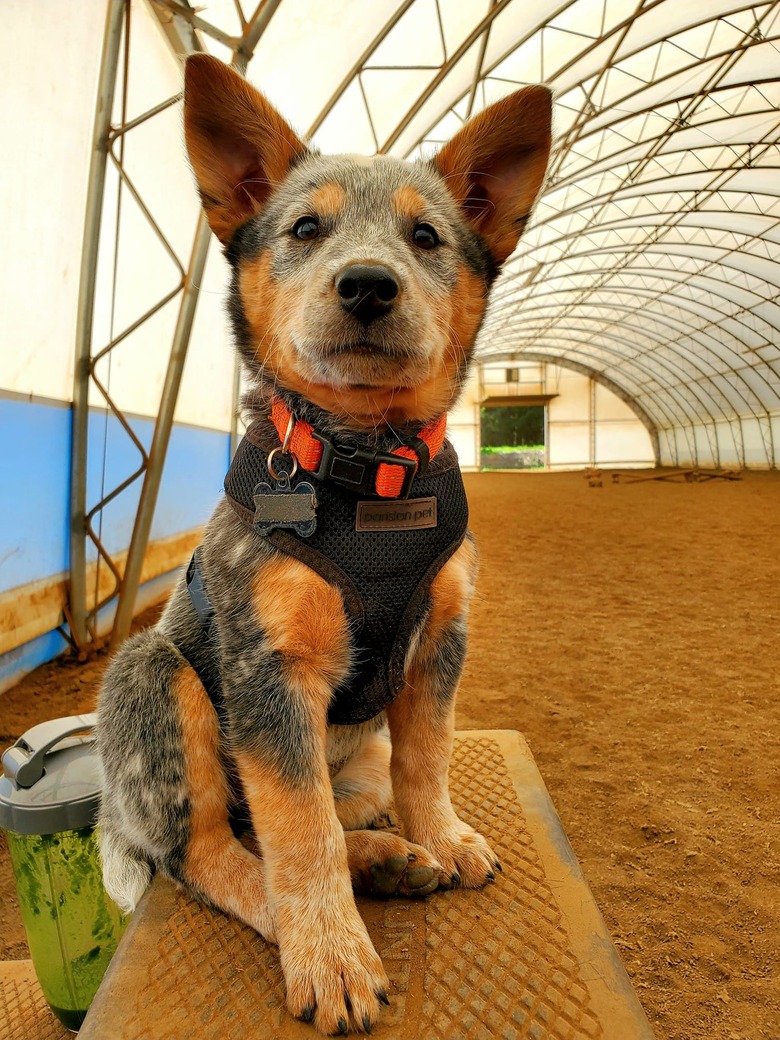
column 306, row 665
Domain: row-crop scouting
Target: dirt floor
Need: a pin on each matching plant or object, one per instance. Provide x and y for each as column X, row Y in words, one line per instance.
column 632, row 633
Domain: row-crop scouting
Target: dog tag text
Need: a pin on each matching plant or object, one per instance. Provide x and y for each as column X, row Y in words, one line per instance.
column 406, row 514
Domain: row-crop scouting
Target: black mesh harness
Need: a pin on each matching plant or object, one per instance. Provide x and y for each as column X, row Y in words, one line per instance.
column 384, row 575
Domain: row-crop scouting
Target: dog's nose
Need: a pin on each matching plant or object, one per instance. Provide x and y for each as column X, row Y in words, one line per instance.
column 366, row 290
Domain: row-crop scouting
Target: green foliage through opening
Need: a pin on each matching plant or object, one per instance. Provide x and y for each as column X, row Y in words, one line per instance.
column 512, row 426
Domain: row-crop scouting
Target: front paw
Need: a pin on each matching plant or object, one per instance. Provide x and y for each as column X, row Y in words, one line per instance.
column 334, row 980
column 382, row 864
column 465, row 856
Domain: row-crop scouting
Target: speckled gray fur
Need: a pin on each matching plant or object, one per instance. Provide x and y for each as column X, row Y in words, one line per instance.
column 146, row 805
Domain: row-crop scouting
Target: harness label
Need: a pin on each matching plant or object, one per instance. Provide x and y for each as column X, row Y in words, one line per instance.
column 403, row 515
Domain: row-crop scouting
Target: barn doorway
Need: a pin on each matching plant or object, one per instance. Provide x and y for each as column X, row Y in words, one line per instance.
column 512, row 436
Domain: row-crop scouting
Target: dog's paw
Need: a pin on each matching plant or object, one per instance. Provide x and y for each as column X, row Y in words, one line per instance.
column 382, row 864
column 466, row 858
column 338, row 983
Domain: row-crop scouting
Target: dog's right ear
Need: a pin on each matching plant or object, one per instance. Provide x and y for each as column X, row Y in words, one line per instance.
column 239, row 146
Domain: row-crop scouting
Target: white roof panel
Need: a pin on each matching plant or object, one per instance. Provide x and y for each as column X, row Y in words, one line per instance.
column 653, row 252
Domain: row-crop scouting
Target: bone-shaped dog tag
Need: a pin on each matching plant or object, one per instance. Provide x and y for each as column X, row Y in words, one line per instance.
column 285, row 507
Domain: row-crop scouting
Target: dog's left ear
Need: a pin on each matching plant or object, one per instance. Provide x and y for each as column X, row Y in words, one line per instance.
column 239, row 146
column 495, row 165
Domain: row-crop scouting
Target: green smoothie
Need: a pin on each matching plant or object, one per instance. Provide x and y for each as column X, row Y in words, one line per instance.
column 72, row 926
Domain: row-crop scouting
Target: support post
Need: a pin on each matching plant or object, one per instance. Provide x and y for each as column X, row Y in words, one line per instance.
column 86, row 304
column 162, row 434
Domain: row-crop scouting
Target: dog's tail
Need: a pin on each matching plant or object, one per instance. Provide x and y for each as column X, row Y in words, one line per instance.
column 126, row 871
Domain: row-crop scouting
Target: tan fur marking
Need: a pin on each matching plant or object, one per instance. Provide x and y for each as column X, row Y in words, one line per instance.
column 460, row 313
column 450, row 591
column 216, row 864
column 468, row 306
column 327, row 956
column 422, row 727
column 289, row 811
column 258, row 295
column 328, row 200
column 303, row 618
column 406, row 202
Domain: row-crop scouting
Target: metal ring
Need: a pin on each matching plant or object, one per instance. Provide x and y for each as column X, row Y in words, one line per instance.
column 272, row 471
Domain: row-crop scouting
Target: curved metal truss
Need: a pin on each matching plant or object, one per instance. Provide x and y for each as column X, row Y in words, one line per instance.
column 652, row 256
column 651, row 261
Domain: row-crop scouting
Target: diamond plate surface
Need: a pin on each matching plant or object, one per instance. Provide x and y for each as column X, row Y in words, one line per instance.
column 505, row 962
column 500, row 964
column 24, row 1013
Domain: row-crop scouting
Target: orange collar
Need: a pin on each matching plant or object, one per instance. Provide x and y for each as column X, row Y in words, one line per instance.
column 385, row 479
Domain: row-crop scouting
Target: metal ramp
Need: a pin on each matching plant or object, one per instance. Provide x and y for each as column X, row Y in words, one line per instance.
column 527, row 957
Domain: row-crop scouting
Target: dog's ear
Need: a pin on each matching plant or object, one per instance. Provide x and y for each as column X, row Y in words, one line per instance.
column 239, row 146
column 495, row 165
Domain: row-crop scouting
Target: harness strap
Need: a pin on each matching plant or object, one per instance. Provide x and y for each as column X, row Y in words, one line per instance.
column 390, row 479
column 198, row 596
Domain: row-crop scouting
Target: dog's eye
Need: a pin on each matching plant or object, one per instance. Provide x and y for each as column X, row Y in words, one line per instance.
column 306, row 228
column 425, row 237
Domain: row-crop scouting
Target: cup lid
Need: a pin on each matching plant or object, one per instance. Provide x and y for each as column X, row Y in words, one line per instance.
column 52, row 778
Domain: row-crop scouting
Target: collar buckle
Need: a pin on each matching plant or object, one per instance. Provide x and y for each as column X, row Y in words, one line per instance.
column 356, row 468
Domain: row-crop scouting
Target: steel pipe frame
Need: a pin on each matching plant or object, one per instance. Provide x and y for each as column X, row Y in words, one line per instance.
column 728, row 56
column 680, row 368
column 512, row 287
column 707, row 280
column 627, row 360
column 109, row 62
column 678, row 304
column 655, row 410
column 655, row 186
column 82, row 628
column 665, row 320
column 181, row 11
column 637, row 388
column 586, row 292
column 632, row 251
column 518, row 294
column 729, row 59
column 674, row 125
column 485, row 74
column 703, row 387
column 688, row 358
column 586, row 367
column 162, row 432
column 623, row 157
column 597, row 42
column 720, row 350
column 242, row 53
column 620, row 157
column 636, row 248
column 551, row 220
column 104, row 136
column 514, row 280
column 653, row 401
column 362, row 62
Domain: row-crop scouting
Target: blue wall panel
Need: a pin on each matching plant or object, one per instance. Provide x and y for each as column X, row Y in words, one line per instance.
column 34, row 479
column 35, row 440
column 35, row 443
